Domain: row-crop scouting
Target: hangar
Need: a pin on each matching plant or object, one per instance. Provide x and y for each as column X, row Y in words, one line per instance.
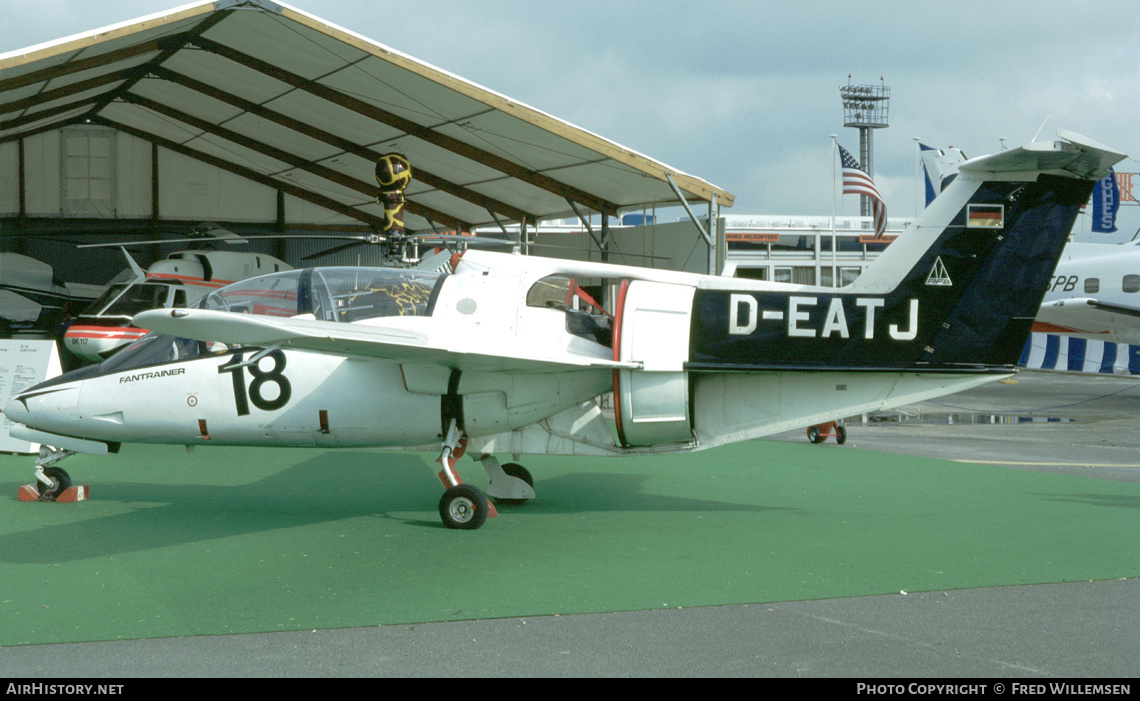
column 262, row 117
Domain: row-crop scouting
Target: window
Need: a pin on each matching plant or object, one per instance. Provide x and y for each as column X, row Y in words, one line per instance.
column 585, row 317
column 752, row 273
column 552, row 291
column 800, row 275
column 848, row 276
column 88, row 172
column 1131, row 283
column 1092, row 285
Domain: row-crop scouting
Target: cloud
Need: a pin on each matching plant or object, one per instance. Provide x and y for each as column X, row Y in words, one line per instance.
column 744, row 94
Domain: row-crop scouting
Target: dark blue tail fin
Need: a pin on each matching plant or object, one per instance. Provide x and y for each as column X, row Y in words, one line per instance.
column 957, row 291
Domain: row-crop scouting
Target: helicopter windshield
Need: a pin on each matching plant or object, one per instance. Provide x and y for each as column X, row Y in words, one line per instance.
column 129, row 298
column 330, row 294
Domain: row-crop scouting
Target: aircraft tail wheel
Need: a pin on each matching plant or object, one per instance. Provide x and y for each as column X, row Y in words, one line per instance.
column 841, row 438
column 60, row 481
column 464, row 507
column 813, row 434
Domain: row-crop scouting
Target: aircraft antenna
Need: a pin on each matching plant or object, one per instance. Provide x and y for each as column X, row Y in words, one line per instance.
column 1041, row 127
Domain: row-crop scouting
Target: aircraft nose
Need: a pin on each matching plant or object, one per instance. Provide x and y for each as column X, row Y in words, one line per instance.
column 15, row 410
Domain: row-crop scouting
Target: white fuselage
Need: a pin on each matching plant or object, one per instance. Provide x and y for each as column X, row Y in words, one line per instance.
column 1106, row 273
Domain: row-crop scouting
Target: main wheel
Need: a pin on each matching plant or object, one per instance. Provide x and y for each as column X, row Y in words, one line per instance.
column 813, row 434
column 842, row 437
column 60, row 482
column 513, row 469
column 463, row 507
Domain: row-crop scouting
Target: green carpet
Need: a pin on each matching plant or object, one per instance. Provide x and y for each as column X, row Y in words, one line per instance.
column 230, row 540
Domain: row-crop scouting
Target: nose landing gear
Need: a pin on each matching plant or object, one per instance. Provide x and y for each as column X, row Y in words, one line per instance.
column 52, row 483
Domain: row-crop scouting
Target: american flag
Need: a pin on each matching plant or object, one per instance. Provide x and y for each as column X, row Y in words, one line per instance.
column 857, row 182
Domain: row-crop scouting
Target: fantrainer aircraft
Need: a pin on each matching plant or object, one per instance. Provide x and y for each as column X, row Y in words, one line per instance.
column 506, row 354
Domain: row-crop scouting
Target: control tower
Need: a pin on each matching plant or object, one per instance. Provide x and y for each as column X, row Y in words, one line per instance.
column 865, row 107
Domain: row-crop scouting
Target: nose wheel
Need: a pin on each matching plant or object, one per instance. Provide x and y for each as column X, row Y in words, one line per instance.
column 463, row 507
column 52, row 482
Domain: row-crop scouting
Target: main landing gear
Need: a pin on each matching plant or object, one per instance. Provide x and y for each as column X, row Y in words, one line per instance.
column 466, row 507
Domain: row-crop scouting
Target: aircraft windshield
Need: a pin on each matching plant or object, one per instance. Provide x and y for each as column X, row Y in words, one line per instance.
column 331, row 294
column 128, row 299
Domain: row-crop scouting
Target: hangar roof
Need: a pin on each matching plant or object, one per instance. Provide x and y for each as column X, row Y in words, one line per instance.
column 285, row 99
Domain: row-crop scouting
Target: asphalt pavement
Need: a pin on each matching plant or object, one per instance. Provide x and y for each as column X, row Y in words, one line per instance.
column 1072, row 424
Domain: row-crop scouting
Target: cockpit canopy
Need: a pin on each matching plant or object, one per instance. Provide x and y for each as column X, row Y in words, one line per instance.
column 330, row 294
column 327, row 294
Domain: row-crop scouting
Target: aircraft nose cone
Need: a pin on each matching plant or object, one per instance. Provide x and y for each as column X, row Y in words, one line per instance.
column 15, row 410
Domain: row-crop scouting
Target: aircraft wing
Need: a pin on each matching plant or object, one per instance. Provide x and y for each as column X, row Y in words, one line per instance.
column 1091, row 317
column 410, row 339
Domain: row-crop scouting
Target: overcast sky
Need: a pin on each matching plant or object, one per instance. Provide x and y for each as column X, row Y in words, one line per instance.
column 745, row 93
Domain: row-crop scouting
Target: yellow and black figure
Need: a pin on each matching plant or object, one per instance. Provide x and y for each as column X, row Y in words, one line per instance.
column 394, row 174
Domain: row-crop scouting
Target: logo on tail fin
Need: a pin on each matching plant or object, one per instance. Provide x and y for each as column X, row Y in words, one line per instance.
column 938, row 275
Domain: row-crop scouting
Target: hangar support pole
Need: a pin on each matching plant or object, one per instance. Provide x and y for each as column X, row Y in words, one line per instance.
column 22, row 219
column 710, row 238
column 585, row 222
column 605, row 234
column 714, row 231
column 155, row 193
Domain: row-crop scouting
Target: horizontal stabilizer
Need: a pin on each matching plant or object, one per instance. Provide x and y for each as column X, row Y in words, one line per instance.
column 1072, row 154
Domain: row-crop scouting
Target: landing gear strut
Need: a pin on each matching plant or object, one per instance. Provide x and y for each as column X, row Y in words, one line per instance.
column 462, row 506
column 466, row 507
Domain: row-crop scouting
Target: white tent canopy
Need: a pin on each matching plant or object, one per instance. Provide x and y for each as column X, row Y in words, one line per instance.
column 287, row 100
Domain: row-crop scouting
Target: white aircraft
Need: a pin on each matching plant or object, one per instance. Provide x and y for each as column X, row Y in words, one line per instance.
column 1094, row 294
column 33, row 299
column 507, row 355
column 178, row 280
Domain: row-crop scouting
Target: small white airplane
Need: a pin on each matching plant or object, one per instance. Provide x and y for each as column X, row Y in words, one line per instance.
column 178, row 280
column 506, row 355
column 1094, row 294
column 33, row 300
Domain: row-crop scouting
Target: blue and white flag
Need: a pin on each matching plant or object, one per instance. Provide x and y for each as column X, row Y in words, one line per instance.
column 1105, row 202
column 931, row 174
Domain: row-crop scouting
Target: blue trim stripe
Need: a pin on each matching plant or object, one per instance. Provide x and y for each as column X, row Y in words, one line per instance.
column 1052, row 352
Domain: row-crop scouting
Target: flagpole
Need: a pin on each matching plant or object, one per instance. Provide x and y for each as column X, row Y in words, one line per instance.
column 918, row 184
column 834, row 272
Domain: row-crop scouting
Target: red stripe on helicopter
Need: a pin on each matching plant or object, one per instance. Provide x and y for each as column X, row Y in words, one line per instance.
column 104, row 332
